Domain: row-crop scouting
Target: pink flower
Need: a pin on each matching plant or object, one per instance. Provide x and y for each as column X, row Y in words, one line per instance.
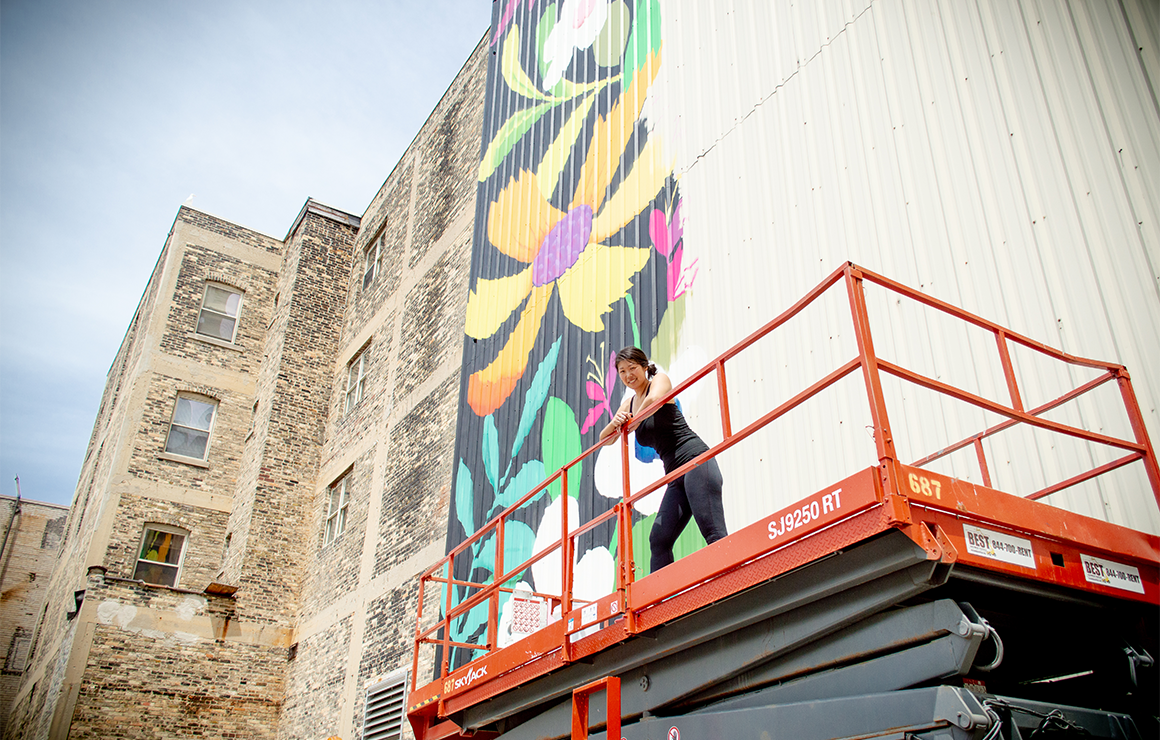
column 667, row 233
column 508, row 11
column 600, row 390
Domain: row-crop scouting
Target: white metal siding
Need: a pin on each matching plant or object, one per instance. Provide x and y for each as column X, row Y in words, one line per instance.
column 1002, row 156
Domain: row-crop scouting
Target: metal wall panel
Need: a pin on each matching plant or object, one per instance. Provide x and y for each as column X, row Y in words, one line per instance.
column 1000, row 156
column 675, row 173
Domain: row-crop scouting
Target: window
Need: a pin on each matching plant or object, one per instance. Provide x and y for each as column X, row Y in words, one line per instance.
column 383, row 718
column 189, row 430
column 356, row 379
column 160, row 556
column 372, row 261
column 219, row 313
column 336, row 509
column 18, row 651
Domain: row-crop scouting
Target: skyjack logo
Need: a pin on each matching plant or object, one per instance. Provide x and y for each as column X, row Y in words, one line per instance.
column 463, row 681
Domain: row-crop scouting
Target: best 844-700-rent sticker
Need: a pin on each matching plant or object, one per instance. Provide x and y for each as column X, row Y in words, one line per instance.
column 1107, row 573
column 1006, row 548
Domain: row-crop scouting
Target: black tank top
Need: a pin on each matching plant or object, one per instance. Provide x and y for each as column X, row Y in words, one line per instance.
column 669, row 434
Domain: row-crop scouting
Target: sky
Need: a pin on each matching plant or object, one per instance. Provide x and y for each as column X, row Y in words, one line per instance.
column 113, row 113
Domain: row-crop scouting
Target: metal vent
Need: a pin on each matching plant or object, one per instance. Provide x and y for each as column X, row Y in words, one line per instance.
column 386, row 700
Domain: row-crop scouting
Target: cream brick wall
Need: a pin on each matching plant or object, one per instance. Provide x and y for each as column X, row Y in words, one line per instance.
column 311, row 624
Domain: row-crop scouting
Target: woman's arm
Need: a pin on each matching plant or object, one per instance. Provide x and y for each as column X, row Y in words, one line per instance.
column 657, row 389
column 622, row 416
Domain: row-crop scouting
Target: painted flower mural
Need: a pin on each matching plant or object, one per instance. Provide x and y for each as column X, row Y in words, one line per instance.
column 578, row 250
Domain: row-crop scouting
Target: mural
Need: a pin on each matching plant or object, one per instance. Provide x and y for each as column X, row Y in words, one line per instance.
column 578, row 251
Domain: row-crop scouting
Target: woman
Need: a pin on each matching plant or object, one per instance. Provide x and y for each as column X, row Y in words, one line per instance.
column 698, row 492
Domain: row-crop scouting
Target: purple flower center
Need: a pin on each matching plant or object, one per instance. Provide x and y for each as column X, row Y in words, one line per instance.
column 562, row 246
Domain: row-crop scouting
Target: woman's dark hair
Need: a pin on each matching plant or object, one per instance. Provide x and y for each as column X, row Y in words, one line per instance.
column 637, row 355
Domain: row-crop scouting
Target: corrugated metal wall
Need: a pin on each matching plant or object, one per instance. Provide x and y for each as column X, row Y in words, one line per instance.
column 674, row 173
column 1002, row 156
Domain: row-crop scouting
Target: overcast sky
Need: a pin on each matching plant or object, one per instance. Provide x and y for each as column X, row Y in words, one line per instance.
column 114, row 112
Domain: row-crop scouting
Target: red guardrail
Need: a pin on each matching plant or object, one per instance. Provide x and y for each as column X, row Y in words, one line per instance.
column 637, row 608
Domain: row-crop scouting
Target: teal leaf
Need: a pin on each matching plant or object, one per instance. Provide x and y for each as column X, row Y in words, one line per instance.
column 518, row 539
column 561, row 444
column 530, row 475
column 535, row 396
column 644, row 39
column 465, row 499
column 465, row 627
column 490, row 451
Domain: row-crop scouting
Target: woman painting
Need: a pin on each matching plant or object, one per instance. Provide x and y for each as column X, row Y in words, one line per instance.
column 698, row 492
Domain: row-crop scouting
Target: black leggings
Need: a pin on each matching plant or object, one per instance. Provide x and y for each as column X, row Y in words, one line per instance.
column 697, row 494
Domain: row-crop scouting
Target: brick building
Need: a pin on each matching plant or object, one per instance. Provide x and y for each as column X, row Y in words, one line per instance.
column 269, row 469
column 30, row 540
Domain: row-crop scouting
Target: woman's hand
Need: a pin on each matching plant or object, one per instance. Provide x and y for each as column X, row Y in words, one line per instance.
column 621, row 418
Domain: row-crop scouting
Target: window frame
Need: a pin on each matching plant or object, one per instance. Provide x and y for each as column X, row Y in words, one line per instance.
column 148, row 527
column 237, row 317
column 358, row 391
column 372, row 261
column 201, row 398
column 336, row 516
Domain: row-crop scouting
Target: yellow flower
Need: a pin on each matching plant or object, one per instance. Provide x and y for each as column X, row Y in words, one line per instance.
column 566, row 252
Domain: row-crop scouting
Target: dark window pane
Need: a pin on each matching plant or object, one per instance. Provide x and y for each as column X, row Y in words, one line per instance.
column 162, row 575
column 162, row 547
column 193, row 413
column 212, row 324
column 222, row 301
column 187, row 442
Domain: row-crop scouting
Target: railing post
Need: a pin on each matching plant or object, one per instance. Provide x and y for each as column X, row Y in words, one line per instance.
column 565, row 549
column 493, row 601
column 1137, row 420
column 445, row 664
column 418, row 632
column 723, row 393
column 1008, row 370
column 624, row 544
column 982, row 462
column 580, row 703
column 897, row 507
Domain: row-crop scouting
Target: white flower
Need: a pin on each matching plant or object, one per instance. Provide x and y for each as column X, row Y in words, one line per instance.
column 578, row 26
column 592, row 574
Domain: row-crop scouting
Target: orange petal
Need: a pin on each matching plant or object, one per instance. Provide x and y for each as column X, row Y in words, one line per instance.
column 488, row 388
column 520, row 218
column 610, row 136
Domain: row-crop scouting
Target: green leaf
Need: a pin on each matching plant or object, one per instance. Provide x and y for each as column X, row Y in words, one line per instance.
column 530, row 476
column 507, row 137
column 645, row 38
column 568, row 89
column 513, row 71
column 609, row 44
column 465, row 499
column 534, row 397
column 556, row 157
column 561, row 445
column 490, row 451
column 543, row 28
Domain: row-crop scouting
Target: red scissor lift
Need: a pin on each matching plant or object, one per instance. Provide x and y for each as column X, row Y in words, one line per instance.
column 898, row 602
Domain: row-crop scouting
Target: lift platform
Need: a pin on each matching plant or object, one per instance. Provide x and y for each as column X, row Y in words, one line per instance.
column 896, row 603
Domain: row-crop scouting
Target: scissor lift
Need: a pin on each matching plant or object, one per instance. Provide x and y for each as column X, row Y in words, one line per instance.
column 897, row 603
